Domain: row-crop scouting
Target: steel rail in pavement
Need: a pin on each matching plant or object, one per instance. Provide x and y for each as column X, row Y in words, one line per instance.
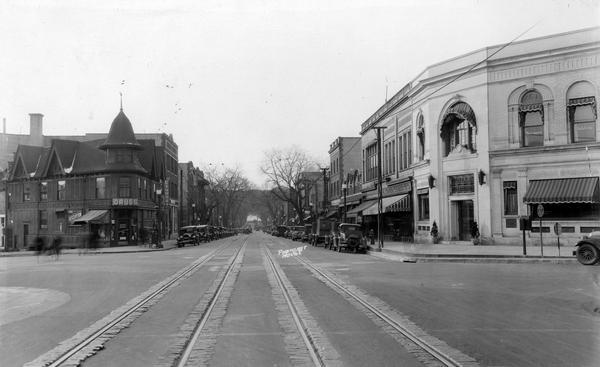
column 183, row 359
column 299, row 325
column 430, row 349
column 79, row 346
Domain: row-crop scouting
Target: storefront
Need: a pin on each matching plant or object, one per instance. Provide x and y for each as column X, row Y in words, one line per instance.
column 574, row 203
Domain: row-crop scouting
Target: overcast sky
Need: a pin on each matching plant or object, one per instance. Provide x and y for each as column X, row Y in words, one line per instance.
column 231, row 79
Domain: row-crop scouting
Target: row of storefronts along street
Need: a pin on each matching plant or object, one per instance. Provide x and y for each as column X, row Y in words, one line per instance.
column 479, row 141
column 476, row 142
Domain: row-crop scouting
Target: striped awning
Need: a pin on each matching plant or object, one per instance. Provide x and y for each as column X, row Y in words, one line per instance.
column 91, row 216
column 366, row 205
column 563, row 190
column 400, row 205
column 390, row 204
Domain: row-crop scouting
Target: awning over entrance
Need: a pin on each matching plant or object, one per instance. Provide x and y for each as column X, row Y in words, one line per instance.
column 563, row 190
column 402, row 204
column 366, row 205
column 398, row 203
column 91, row 216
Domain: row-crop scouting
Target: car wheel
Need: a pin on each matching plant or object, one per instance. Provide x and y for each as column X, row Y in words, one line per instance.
column 587, row 254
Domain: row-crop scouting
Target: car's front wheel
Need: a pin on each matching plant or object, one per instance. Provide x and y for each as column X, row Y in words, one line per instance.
column 587, row 254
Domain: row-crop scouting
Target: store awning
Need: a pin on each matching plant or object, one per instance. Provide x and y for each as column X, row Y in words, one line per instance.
column 331, row 213
column 366, row 205
column 91, row 216
column 398, row 203
column 402, row 204
column 563, row 190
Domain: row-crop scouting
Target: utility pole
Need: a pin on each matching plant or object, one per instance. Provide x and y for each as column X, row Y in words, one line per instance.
column 325, row 187
column 379, row 189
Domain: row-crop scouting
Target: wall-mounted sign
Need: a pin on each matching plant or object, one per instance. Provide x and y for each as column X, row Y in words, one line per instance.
column 124, row 202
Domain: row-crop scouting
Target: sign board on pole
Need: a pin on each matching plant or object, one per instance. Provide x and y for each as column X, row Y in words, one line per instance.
column 540, row 210
column 557, row 229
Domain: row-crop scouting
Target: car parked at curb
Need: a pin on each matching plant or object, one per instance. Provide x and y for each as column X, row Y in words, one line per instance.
column 188, row 235
column 350, row 238
column 587, row 249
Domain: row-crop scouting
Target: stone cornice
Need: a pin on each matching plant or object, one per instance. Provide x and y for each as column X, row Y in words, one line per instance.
column 544, row 150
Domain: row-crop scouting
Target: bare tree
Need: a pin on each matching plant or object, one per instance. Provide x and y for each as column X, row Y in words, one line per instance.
column 227, row 190
column 284, row 168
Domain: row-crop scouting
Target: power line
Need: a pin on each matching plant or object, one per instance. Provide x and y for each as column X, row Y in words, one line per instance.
column 455, row 78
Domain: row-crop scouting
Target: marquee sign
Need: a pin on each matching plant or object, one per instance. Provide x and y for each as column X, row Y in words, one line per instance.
column 125, row 202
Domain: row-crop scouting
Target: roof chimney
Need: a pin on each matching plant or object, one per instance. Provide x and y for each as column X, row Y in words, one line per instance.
column 35, row 129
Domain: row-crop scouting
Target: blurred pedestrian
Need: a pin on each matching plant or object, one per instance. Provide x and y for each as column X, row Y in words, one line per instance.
column 39, row 245
column 85, row 243
column 94, row 241
column 56, row 246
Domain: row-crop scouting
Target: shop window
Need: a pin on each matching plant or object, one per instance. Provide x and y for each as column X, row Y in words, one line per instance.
column 44, row 191
column 510, row 198
column 124, row 187
column 423, row 206
column 462, row 184
column 531, row 119
column 100, row 188
column 569, row 211
column 61, row 190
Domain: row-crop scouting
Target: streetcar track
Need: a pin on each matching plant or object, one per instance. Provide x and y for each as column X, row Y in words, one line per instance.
column 310, row 347
column 427, row 347
column 89, row 341
column 225, row 285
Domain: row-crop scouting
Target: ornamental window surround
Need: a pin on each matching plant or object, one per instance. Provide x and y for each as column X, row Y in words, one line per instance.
column 459, row 129
column 582, row 119
column 531, row 119
column 421, row 138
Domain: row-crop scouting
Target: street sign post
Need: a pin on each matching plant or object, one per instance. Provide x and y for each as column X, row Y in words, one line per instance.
column 558, row 231
column 540, row 213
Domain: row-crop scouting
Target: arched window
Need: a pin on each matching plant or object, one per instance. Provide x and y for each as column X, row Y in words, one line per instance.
column 459, row 129
column 581, row 108
column 421, row 138
column 531, row 119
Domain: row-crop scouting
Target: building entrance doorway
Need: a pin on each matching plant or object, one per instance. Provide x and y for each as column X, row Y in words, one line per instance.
column 463, row 217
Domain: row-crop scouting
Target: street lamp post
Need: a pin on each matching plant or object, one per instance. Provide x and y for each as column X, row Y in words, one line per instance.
column 159, row 213
column 345, row 190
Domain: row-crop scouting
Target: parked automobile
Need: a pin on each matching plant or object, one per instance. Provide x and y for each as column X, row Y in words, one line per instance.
column 296, row 232
column 351, row 238
column 321, row 229
column 188, row 235
column 587, row 249
column 306, row 233
column 281, row 231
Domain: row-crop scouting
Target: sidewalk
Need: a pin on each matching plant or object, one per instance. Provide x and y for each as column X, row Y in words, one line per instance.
column 167, row 245
column 467, row 252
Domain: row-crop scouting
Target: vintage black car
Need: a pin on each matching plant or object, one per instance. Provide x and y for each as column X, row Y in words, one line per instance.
column 587, row 250
column 350, row 238
column 188, row 235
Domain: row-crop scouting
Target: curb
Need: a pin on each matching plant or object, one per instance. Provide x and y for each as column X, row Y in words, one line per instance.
column 31, row 253
column 499, row 259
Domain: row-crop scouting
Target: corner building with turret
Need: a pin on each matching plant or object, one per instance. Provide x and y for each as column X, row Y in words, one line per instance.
column 110, row 186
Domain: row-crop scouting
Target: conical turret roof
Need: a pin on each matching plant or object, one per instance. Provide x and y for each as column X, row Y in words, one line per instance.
column 121, row 134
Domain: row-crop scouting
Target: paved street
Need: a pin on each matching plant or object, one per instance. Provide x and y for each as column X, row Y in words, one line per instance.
column 486, row 314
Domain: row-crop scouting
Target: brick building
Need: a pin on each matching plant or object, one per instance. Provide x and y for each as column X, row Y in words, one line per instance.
column 192, row 196
column 69, row 188
column 344, row 163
